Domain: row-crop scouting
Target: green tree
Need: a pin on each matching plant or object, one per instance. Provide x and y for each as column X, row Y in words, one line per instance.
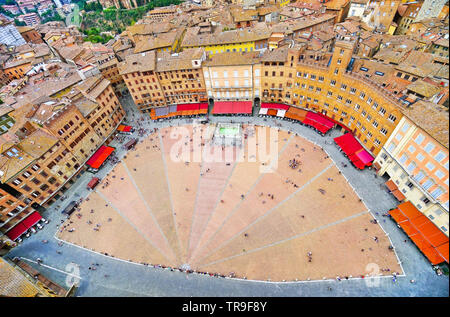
column 19, row 23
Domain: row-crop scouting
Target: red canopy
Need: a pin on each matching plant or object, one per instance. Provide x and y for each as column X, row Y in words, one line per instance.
column 16, row 231
column 359, row 164
column 320, row 123
column 348, row 143
column 99, row 157
column 222, row 107
column 188, row 106
column 31, row 220
column 279, row 106
column 365, row 157
column 443, row 251
column 424, row 233
column 320, row 119
column 124, row 128
column 203, row 105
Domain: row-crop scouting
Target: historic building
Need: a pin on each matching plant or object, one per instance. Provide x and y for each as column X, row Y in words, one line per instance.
column 351, row 99
column 415, row 158
column 161, row 79
column 380, row 15
column 233, row 76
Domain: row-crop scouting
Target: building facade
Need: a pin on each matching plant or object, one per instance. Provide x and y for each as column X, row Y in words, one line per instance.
column 233, row 76
column 418, row 164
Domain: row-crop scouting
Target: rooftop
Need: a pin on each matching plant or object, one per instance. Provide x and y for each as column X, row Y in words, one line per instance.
column 232, row 58
column 435, row 122
column 193, row 38
column 142, row 62
column 183, row 60
column 15, row 284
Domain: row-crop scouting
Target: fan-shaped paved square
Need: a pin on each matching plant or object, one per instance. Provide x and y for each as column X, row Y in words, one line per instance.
column 182, row 198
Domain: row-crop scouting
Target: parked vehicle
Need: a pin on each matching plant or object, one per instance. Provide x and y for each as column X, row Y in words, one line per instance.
column 93, row 183
column 33, row 230
column 130, row 144
column 70, row 208
column 39, row 226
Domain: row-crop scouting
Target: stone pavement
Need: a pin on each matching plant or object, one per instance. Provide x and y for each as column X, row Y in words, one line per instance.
column 127, row 279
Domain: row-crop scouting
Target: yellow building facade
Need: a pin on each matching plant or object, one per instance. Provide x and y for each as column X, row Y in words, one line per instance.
column 350, row 99
column 232, row 76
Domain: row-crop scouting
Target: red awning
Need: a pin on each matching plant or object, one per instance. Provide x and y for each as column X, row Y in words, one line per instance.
column 443, row 251
column 203, row 105
column 398, row 216
column 434, row 256
column 124, row 128
column 426, row 236
column 365, row 157
column 409, row 210
column 188, row 106
column 222, row 107
column 274, row 106
column 31, row 220
column 398, row 195
column 243, row 107
column 359, row 164
column 272, row 112
column 348, row 143
column 320, row 119
column 100, row 156
column 16, row 231
column 391, row 185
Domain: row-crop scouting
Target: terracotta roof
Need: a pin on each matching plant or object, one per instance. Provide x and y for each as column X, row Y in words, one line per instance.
column 402, row 9
column 307, row 22
column 71, row 52
column 15, row 284
column 183, row 60
column 148, row 28
column 435, row 122
column 336, row 4
column 232, row 58
column 423, row 88
column 193, row 38
column 30, row 149
column 142, row 62
column 390, row 56
column 5, row 109
column 85, row 105
column 153, row 42
column 276, row 55
column 240, row 15
column 93, row 86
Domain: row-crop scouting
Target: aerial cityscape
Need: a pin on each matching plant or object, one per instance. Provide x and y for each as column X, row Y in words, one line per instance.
column 230, row 148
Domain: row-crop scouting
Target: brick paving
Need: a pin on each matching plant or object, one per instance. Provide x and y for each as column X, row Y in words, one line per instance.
column 128, row 279
column 138, row 188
